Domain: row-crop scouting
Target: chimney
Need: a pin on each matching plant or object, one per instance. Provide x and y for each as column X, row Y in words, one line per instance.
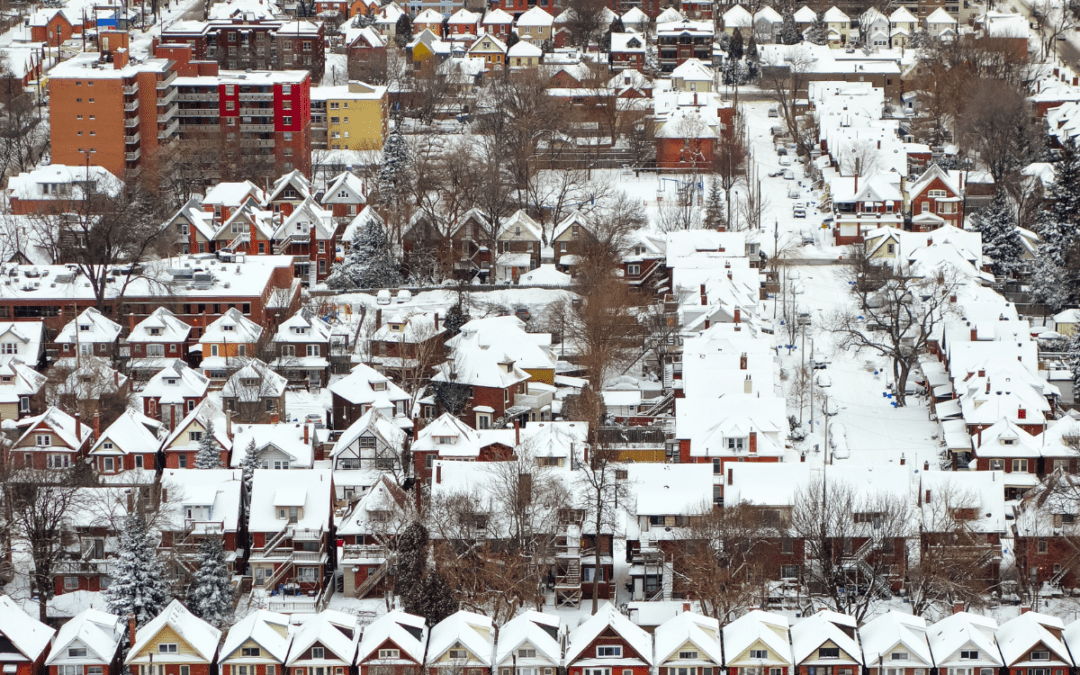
column 926, row 467
column 927, row 499
column 438, row 473
column 1024, row 609
column 686, row 607
column 707, row 324
column 856, row 181
column 958, row 607
column 97, row 425
column 78, row 424
column 802, row 457
column 517, row 433
column 742, row 361
column 929, row 241
column 172, row 417
column 228, row 424
column 903, row 460
column 738, row 315
column 307, row 440
column 987, row 386
column 974, row 335
column 753, row 441
column 378, row 319
column 131, row 629
column 436, row 322
column 131, row 323
column 729, row 476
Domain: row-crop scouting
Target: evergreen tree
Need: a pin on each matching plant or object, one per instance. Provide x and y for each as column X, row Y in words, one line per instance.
column 818, row 33
column 403, row 31
column 789, row 31
column 209, row 455
column 1055, row 281
column 715, row 216
column 248, row 466
column 1073, row 350
column 369, row 262
column 512, row 39
column 617, row 25
column 395, row 159
column 456, row 317
column 751, row 48
column 212, row 593
column 412, row 557
column 547, row 46
column 140, row 585
column 735, row 46
column 1001, row 241
column 439, row 598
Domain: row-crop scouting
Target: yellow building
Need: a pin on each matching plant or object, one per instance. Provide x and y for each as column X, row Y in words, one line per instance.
column 356, row 115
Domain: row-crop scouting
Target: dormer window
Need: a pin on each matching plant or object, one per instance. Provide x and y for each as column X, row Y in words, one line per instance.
column 249, row 381
column 445, row 440
column 609, row 651
column 1041, row 655
column 6, row 379
column 155, row 331
column 378, row 386
column 171, row 381
column 85, row 327
column 396, row 327
column 1008, row 441
column 969, row 655
column 735, row 444
column 829, row 653
column 227, row 327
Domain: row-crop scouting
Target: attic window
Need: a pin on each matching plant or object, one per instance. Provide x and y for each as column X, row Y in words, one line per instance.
column 829, row 653
column 84, row 327
column 226, row 327
column 526, row 653
column 899, row 656
column 457, row 654
column 77, row 651
column 250, row 651
column 609, row 650
column 167, row 648
column 754, row 654
column 445, row 440
column 974, row 655
column 935, row 193
column 396, row 327
column 317, row 652
column 389, row 653
column 155, row 331
column 171, row 381
column 378, row 386
column 1008, row 441
column 691, row 656
column 300, row 330
column 6, row 378
column 249, row 381
column 1042, row 655
column 344, row 194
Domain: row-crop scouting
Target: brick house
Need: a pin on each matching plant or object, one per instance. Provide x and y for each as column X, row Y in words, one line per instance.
column 365, row 388
column 366, row 532
column 345, row 198
column 325, row 643
column 493, row 380
column 155, row 343
column 25, row 640
column 407, row 346
column 934, row 194
column 826, row 643
column 52, row 27
column 302, row 346
column 1010, row 449
column 688, row 644
column 173, row 393
column 627, row 51
column 226, row 344
column 255, row 394
column 471, row 245
column 757, row 641
column 175, row 642
column 199, row 504
column 643, row 266
column 895, row 643
column 372, row 442
column 393, row 644
column 965, row 644
column 462, row 642
column 530, row 640
column 51, row 440
column 23, row 340
column 182, row 444
column 609, row 642
column 22, row 389
column 309, row 234
column 1045, row 524
column 289, row 192
column 292, row 530
column 130, row 443
column 90, row 334
column 88, row 644
column 518, row 245
column 1031, row 644
column 258, row 644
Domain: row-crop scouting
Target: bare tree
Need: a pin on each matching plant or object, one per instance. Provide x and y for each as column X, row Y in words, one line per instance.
column 852, row 541
column 601, row 490
column 785, row 81
column 896, row 315
column 729, row 157
column 1052, row 21
column 586, row 21
column 997, row 123
column 87, row 386
column 860, row 159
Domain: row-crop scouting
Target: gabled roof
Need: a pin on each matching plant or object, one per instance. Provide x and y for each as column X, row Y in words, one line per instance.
column 817, row 629
column 294, row 179
column 387, row 497
column 896, row 629
column 932, row 172
column 25, row 380
column 307, row 215
column 72, row 432
column 536, row 16
column 497, row 17
column 378, row 425
column 201, row 416
column 348, row 183
column 428, row 16
column 958, row 630
column 269, row 630
column 769, row 14
column 131, row 432
column 521, row 219
column 608, row 617
column 176, row 382
column 232, row 326
column 464, row 16
column 701, row 631
column 939, row 15
column 169, row 328
column 29, row 635
column 466, row 442
column 407, row 631
column 1018, row 636
column 902, row 15
column 834, row 15
column 328, row 628
column 768, row 628
column 267, row 383
column 198, row 634
column 473, row 631
column 232, row 194
column 737, row 16
column 537, row 629
column 356, row 388
column 90, row 326
column 805, row 15
column 305, row 327
column 692, row 70
column 98, row 631
column 493, row 44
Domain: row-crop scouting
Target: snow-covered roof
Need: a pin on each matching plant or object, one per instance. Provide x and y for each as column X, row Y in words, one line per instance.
column 233, row 194
column 896, row 631
column 375, row 423
column 218, row 489
column 961, row 631
column 524, row 49
column 347, row 188
column 161, row 326
column 176, row 382
column 834, row 15
column 609, row 617
column 671, row 15
column 196, row 633
column 902, row 15
column 365, row 385
column 635, row 16
column 254, row 382
column 817, row 629
column 1016, row 638
column 768, row 14
column 205, row 413
column 407, row 631
column 130, row 432
column 464, row 16
column 547, row 275
column 64, row 182
column 314, row 485
column 701, row 631
column 737, row 17
column 286, row 437
column 98, row 631
column 805, row 15
column 472, row 631
column 26, row 336
column 464, row 441
column 384, row 497
column 269, row 630
column 90, row 326
column 474, row 364
column 536, row 629
column 336, row 631
column 72, row 432
column 670, row 489
column 692, row 70
column 940, row 16
column 26, row 633
column 25, row 381
column 231, row 327
column 764, row 629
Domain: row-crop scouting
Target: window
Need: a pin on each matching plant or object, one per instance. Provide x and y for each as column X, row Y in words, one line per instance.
column 182, row 459
column 899, row 656
column 138, row 461
column 526, row 653
column 759, row 654
column 997, row 465
column 155, row 350
column 688, row 655
column 459, row 654
column 829, row 653
column 1041, row 655
column 108, row 464
column 614, row 651
column 969, row 654
column 167, row 648
column 250, row 651
column 1020, row 466
column 389, row 653
column 313, row 350
column 285, row 89
column 43, row 440
column 287, row 121
column 789, row 571
column 8, row 348
column 316, row 652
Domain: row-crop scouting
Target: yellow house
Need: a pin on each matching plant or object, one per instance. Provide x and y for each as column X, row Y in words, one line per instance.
column 489, row 48
column 1066, row 322
column 356, row 115
column 839, row 26
column 524, row 55
column 175, row 637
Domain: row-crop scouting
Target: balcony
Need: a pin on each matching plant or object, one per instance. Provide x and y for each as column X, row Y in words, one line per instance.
column 256, row 143
column 131, row 122
column 167, row 98
column 362, row 552
column 169, row 113
column 267, row 96
column 257, row 127
column 535, row 399
column 256, row 112
column 198, row 112
column 307, row 535
column 169, row 130
column 169, row 79
column 132, row 140
column 131, row 89
column 133, row 156
column 131, row 106
column 197, row 97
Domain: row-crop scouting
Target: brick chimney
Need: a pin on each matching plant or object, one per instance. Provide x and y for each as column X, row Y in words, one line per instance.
column 738, row 315
column 378, row 319
column 974, row 335
column 172, row 417
column 1024, row 609
column 517, row 433
column 926, row 500
column 753, row 442
column 436, row 322
column 131, row 629
column 926, row 466
column 729, row 475
column 307, row 440
column 903, row 460
column 958, row 607
column 742, row 361
column 120, row 59
column 97, row 425
column 438, row 473
column 228, row 424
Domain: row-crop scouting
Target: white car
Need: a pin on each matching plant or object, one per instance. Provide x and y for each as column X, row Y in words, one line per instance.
column 788, row 175
column 823, row 380
column 785, row 160
column 383, row 297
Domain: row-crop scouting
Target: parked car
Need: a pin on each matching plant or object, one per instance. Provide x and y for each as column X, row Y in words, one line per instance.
column 793, row 194
column 774, row 174
column 819, row 364
column 788, row 175
column 403, row 296
column 314, row 418
column 773, row 112
column 383, row 297
column 803, row 316
column 799, row 213
column 823, row 380
column 781, row 149
column 785, row 160
column 522, row 312
column 808, row 236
